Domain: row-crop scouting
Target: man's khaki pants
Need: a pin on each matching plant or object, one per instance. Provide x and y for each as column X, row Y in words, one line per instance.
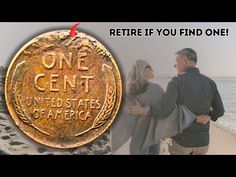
column 176, row 149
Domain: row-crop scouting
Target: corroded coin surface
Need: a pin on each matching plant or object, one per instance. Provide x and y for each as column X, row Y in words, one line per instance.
column 63, row 91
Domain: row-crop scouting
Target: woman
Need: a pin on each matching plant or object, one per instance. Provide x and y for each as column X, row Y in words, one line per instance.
column 139, row 89
column 146, row 132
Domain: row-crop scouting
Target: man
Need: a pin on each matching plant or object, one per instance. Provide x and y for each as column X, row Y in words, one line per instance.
column 198, row 93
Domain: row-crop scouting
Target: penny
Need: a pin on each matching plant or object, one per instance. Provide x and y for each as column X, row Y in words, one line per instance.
column 63, row 91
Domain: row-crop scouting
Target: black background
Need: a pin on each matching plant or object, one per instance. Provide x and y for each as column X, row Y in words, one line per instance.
column 117, row 11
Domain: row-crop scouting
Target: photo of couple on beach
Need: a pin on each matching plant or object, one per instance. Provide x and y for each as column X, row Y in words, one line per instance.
column 178, row 92
column 183, row 112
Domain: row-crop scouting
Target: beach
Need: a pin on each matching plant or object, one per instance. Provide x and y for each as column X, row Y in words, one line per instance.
column 222, row 142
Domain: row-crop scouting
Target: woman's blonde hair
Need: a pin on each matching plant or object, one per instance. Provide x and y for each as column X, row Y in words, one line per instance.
column 137, row 83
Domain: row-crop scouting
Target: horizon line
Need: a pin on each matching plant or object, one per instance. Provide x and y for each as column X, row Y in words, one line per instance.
column 171, row 75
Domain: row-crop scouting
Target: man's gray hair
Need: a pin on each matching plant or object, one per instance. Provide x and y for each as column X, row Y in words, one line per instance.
column 189, row 53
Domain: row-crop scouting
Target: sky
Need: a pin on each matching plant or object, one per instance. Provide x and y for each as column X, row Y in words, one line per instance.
column 216, row 54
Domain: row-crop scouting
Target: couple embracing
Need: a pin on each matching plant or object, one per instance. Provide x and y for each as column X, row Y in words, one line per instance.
column 182, row 113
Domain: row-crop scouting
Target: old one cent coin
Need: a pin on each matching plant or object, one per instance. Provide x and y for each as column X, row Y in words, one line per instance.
column 63, row 91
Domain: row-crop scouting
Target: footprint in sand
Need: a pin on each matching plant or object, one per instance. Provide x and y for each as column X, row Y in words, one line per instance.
column 3, row 125
column 13, row 143
column 12, row 134
column 1, row 118
column 5, row 137
column 2, row 152
column 41, row 150
column 7, row 128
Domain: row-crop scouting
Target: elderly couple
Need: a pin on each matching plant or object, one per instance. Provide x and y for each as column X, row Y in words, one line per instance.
column 181, row 113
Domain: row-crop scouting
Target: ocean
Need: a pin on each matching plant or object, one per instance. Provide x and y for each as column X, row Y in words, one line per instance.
column 227, row 90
